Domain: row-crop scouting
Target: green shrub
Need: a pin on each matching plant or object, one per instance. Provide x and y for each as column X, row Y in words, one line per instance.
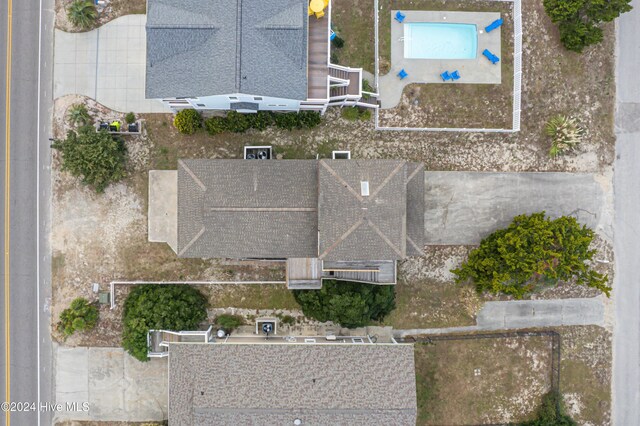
column 130, row 118
column 308, row 119
column 159, row 307
column 355, row 113
column 82, row 14
column 532, row 250
column 237, row 122
column 215, row 125
column 187, row 121
column 260, row 120
column 552, row 412
column 565, row 133
column 578, row 20
column 79, row 316
column 78, row 115
column 229, row 322
column 334, row 58
column 98, row 157
column 337, row 42
column 287, row 320
column 346, row 303
column 286, row 121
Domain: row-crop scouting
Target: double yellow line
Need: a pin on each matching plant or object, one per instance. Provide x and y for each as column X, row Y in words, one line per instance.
column 7, row 212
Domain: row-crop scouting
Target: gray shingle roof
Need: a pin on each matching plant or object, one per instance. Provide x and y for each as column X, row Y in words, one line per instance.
column 356, row 227
column 242, row 208
column 415, row 209
column 273, row 384
column 199, row 48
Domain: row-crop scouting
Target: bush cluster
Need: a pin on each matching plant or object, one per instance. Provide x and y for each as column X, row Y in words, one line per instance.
column 238, row 123
column 346, row 303
column 98, row 157
column 79, row 316
column 532, row 250
column 159, row 307
column 552, row 412
column 229, row 322
column 579, row 20
column 187, row 121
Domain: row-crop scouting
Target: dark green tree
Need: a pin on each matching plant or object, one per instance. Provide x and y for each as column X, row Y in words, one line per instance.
column 79, row 316
column 229, row 322
column 97, row 157
column 551, row 413
column 159, row 307
column 346, row 303
column 532, row 250
column 579, row 20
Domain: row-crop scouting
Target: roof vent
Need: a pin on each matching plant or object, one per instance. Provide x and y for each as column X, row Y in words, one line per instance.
column 364, row 188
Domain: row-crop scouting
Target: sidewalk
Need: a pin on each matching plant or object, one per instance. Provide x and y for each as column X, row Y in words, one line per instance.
column 518, row 314
column 107, row 64
column 116, row 386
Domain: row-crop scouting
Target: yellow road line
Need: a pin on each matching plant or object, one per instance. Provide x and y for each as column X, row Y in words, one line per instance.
column 7, row 212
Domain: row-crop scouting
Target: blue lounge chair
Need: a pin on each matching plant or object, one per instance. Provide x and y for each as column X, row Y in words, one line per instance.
column 400, row 16
column 332, row 35
column 446, row 76
column 492, row 26
column 490, row 56
column 402, row 74
column 455, row 75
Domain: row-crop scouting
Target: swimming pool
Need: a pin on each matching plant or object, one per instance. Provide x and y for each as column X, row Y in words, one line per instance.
column 434, row 40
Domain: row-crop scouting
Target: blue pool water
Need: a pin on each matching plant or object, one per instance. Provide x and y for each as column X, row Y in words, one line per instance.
column 432, row 40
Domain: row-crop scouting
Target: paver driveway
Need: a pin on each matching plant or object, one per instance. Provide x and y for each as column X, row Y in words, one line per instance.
column 106, row 64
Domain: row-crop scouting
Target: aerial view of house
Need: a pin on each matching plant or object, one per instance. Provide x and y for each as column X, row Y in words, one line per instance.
column 320, row 212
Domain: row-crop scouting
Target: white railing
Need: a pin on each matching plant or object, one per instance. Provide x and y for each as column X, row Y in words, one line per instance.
column 517, row 79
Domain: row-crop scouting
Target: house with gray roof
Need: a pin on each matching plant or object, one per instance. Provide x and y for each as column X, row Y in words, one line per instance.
column 330, row 219
column 346, row 220
column 245, row 55
column 319, row 384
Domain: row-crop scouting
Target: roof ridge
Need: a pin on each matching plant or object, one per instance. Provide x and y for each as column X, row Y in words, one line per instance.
column 193, row 175
column 385, row 238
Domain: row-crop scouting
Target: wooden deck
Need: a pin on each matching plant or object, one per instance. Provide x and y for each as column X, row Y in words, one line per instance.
column 318, row 69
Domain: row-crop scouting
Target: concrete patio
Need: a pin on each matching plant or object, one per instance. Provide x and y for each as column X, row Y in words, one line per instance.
column 163, row 207
column 473, row 71
column 106, row 64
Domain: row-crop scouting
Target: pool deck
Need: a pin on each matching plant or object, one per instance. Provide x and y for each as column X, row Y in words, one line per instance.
column 472, row 71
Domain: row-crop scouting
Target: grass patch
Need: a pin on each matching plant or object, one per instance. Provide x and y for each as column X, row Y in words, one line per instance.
column 433, row 304
column 353, row 21
column 250, row 296
column 514, row 374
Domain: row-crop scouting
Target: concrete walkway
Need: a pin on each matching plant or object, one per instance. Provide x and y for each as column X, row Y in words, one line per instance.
column 464, row 207
column 511, row 315
column 116, row 386
column 107, row 64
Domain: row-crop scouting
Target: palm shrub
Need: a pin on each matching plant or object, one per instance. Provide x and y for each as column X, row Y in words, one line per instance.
column 97, row 157
column 533, row 250
column 79, row 316
column 346, row 303
column 77, row 114
column 565, row 133
column 82, row 13
column 159, row 307
column 187, row 121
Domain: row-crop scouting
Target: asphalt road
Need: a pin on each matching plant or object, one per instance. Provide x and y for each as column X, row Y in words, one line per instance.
column 30, row 369
column 626, row 347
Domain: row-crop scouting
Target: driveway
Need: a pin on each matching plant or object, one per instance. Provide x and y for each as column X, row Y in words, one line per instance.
column 116, row 386
column 464, row 207
column 521, row 314
column 106, row 64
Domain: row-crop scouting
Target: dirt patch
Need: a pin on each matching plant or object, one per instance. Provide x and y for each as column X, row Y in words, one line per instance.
column 114, row 9
column 480, row 381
